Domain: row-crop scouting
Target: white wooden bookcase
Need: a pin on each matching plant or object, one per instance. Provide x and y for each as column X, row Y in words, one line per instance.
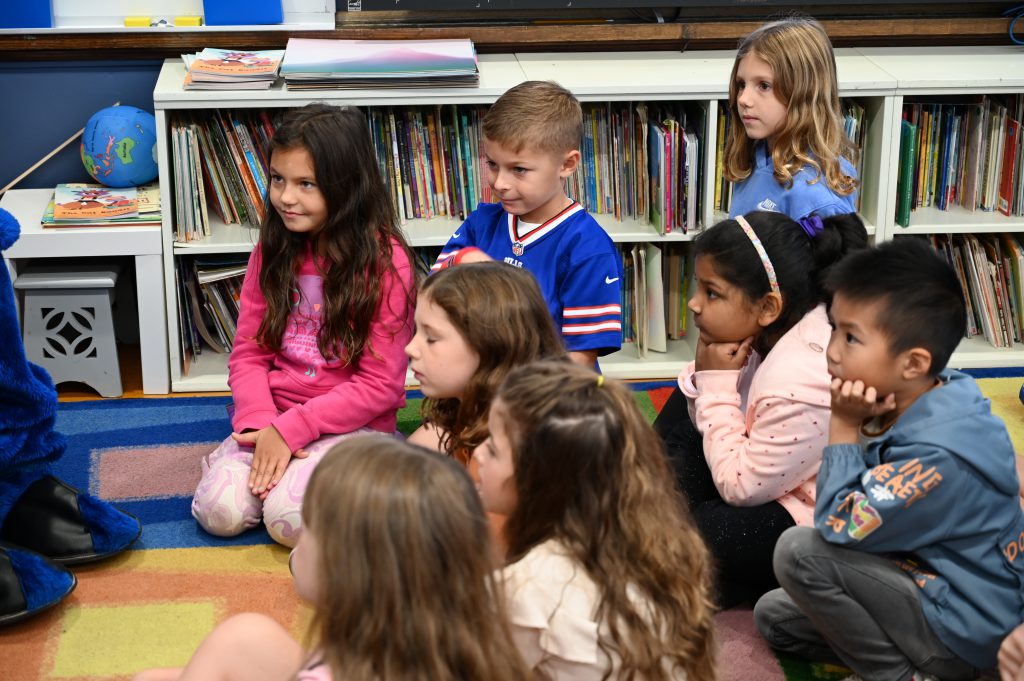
column 877, row 78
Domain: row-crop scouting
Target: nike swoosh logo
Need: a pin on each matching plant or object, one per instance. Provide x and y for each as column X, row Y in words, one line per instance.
column 456, row 235
column 609, row 280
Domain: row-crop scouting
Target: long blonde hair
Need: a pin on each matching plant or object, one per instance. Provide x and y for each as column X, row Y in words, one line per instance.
column 406, row 587
column 500, row 312
column 804, row 79
column 590, row 473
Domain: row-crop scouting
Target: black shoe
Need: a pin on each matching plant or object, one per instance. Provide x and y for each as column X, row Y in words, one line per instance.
column 29, row 584
column 67, row 526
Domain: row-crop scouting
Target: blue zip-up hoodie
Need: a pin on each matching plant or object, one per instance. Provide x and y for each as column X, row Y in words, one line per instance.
column 939, row 491
column 761, row 191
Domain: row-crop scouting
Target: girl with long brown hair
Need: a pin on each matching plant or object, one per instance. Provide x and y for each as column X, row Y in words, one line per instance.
column 389, row 558
column 326, row 308
column 474, row 324
column 606, row 576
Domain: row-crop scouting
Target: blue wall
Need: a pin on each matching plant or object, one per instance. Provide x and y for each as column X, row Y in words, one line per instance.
column 47, row 102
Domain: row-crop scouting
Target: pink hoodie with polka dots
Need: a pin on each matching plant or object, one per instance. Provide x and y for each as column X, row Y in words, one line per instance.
column 766, row 425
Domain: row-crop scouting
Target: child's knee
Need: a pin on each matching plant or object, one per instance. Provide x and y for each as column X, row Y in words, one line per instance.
column 769, row 610
column 792, row 545
column 282, row 515
column 223, row 504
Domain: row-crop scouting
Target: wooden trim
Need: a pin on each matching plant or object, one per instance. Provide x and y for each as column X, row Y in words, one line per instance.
column 535, row 38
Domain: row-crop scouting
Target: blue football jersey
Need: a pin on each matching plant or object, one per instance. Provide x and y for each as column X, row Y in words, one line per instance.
column 572, row 258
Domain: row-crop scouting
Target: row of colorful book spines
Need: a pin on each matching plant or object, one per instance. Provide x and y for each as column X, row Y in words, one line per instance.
column 239, row 169
column 1004, row 315
column 605, row 185
column 239, row 142
column 438, row 160
column 940, row 161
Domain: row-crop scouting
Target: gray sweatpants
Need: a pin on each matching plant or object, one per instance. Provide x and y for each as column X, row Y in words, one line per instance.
column 842, row 605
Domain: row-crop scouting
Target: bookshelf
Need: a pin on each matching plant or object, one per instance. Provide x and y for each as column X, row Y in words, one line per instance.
column 878, row 79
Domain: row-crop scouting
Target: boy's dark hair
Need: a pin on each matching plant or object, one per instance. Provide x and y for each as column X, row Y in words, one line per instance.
column 801, row 261
column 921, row 302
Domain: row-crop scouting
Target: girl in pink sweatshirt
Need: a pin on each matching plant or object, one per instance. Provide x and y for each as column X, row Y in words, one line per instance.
column 758, row 390
column 326, row 308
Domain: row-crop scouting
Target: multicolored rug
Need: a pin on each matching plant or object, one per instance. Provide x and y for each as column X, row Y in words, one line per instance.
column 151, row 606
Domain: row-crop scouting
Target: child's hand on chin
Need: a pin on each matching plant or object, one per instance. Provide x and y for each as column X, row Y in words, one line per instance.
column 853, row 402
column 714, row 356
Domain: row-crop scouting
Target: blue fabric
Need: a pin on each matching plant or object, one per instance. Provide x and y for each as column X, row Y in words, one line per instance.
column 111, row 529
column 573, row 260
column 761, row 191
column 939, row 490
column 28, row 399
column 42, row 583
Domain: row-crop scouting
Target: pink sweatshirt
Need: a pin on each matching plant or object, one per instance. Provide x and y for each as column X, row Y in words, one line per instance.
column 296, row 390
column 766, row 425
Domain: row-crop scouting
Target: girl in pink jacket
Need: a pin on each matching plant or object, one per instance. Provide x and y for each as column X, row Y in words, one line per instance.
column 758, row 390
column 326, row 310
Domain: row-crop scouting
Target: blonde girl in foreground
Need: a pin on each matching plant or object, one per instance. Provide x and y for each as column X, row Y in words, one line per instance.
column 390, row 559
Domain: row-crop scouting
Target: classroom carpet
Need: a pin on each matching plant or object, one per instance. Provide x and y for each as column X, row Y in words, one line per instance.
column 152, row 605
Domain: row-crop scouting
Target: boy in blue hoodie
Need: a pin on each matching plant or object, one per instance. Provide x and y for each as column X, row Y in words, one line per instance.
column 916, row 563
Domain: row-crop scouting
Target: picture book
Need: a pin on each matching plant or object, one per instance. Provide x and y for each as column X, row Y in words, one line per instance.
column 216, row 64
column 311, row 62
column 79, row 202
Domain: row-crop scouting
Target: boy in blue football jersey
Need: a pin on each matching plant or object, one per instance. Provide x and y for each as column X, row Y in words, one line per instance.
column 531, row 144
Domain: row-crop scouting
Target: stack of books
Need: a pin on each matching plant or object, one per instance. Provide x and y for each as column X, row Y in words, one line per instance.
column 311, row 64
column 209, row 291
column 990, row 268
column 94, row 205
column 214, row 69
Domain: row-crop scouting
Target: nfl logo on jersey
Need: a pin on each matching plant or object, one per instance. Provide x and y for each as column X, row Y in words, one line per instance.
column 517, row 248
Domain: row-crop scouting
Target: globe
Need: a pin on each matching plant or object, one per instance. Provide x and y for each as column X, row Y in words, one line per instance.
column 119, row 146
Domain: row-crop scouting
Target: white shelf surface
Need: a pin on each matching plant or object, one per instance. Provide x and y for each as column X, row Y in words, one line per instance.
column 978, row 353
column 951, row 70
column 602, row 76
column 958, row 220
column 498, row 72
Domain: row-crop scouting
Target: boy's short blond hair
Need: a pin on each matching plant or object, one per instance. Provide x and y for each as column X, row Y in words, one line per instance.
column 538, row 114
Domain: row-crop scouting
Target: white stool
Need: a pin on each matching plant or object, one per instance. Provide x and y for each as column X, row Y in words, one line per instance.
column 68, row 328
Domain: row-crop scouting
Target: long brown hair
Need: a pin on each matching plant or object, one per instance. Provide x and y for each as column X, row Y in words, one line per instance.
column 356, row 239
column 804, row 79
column 500, row 312
column 590, row 473
column 406, row 582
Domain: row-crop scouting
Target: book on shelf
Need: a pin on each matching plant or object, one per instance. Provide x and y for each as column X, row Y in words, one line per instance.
column 968, row 155
column 653, row 296
column 905, row 180
column 94, row 205
column 208, row 290
column 990, row 269
column 312, row 63
column 217, row 69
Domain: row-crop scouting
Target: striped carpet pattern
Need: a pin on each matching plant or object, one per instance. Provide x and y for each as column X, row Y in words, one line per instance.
column 151, row 606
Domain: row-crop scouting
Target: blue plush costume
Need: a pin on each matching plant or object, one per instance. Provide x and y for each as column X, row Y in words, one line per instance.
column 43, row 522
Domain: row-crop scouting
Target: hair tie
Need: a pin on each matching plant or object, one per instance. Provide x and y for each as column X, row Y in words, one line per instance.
column 600, row 380
column 769, row 269
column 813, row 225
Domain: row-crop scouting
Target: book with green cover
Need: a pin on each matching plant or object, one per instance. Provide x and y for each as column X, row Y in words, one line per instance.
column 905, row 180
